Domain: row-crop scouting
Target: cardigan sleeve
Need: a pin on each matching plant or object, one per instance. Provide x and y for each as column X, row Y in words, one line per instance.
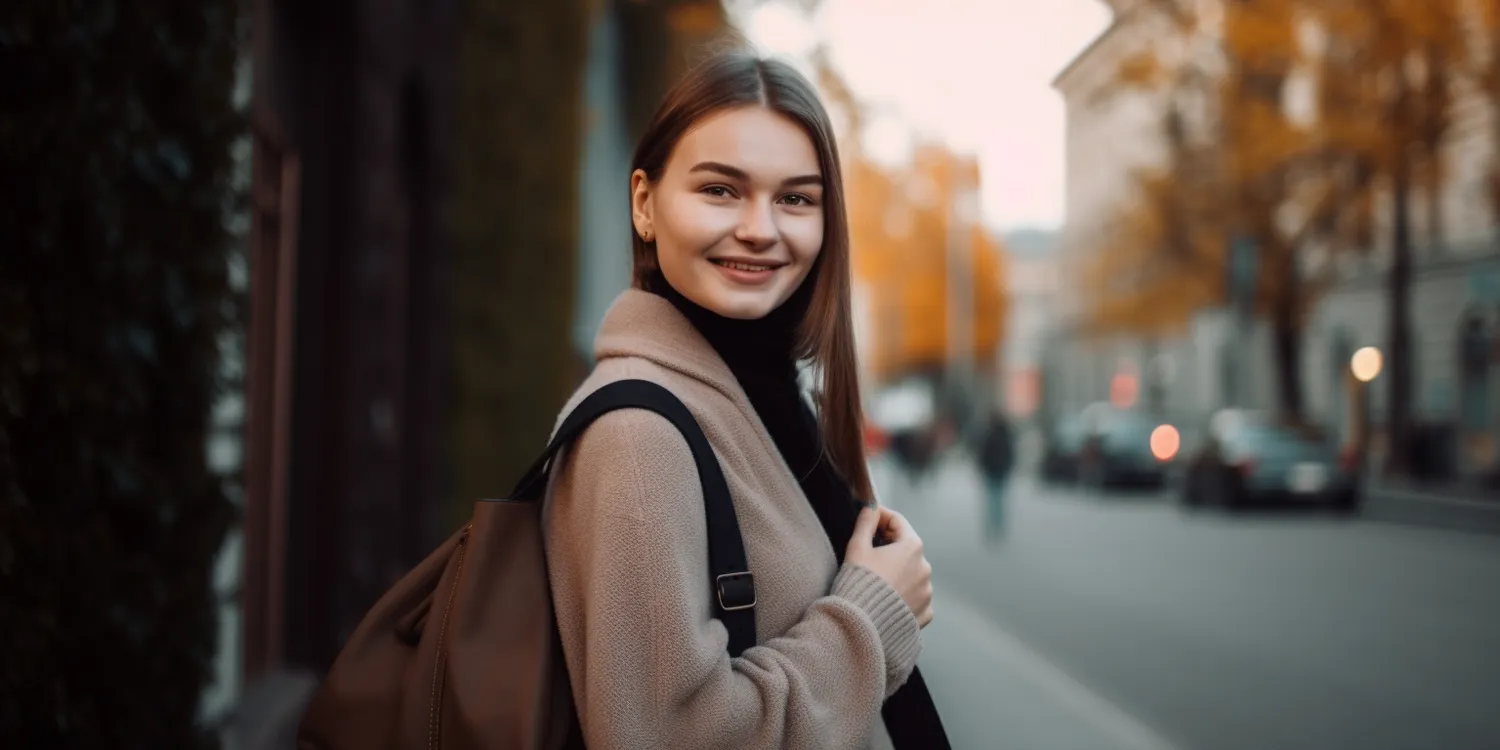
column 628, row 559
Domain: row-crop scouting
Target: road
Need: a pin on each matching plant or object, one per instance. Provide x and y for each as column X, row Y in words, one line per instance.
column 1097, row 622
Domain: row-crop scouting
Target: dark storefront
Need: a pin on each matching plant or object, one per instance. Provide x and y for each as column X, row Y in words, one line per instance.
column 345, row 341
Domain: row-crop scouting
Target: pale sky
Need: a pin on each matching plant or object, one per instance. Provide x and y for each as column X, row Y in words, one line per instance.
column 973, row 73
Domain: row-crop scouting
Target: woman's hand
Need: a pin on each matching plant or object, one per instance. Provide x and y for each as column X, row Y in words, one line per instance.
column 899, row 560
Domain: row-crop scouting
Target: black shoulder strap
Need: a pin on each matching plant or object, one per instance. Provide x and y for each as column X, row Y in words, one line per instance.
column 911, row 718
column 732, row 588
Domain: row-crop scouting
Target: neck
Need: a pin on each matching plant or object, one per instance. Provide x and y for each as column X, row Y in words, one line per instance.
column 762, row 345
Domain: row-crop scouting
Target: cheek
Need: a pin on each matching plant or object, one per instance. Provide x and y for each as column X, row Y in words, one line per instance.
column 689, row 225
column 805, row 238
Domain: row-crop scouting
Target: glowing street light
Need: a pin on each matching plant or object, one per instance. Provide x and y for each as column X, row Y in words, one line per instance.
column 1366, row 364
column 1164, row 442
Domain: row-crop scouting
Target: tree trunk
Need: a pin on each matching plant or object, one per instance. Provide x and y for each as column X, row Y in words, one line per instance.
column 1434, row 195
column 1151, row 377
column 1286, row 341
column 1490, row 89
column 1398, row 423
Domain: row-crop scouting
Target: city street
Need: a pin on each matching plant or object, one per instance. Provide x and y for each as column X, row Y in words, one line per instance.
column 1122, row 621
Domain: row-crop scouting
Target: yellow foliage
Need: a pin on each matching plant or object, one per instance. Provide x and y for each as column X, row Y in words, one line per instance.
column 1380, row 74
column 900, row 229
column 695, row 18
column 899, row 226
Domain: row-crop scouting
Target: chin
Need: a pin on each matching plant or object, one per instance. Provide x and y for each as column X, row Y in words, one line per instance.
column 744, row 309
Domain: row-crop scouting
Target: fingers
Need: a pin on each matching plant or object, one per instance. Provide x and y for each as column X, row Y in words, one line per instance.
column 893, row 524
column 865, row 526
column 896, row 529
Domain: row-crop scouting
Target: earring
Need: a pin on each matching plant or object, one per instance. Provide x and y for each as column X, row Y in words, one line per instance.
column 646, row 235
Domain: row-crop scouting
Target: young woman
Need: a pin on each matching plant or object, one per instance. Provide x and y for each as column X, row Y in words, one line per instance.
column 741, row 272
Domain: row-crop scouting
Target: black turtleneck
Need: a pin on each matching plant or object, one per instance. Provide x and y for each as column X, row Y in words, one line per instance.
column 761, row 354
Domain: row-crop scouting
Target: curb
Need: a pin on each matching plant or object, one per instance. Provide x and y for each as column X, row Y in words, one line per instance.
column 1417, row 508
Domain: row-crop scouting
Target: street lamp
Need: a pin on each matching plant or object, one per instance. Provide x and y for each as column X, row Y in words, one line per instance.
column 1366, row 364
column 1364, row 367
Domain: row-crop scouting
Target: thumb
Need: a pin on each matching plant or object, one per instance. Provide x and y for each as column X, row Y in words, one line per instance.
column 865, row 526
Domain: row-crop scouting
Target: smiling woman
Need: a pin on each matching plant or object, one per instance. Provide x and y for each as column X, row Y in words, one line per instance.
column 736, row 216
column 741, row 270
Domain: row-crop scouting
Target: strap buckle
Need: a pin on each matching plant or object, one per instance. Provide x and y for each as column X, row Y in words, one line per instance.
column 736, row 591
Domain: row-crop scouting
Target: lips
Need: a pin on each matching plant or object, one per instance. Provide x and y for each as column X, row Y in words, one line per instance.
column 747, row 272
column 746, row 265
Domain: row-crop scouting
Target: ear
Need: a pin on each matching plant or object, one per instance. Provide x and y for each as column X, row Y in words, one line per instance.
column 641, row 205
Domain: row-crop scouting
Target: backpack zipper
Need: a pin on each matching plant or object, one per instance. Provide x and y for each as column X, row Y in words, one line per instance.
column 440, row 663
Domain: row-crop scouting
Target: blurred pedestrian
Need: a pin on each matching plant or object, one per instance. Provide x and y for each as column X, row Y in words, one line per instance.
column 996, row 458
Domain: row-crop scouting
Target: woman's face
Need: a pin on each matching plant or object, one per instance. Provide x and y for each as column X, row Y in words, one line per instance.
column 737, row 216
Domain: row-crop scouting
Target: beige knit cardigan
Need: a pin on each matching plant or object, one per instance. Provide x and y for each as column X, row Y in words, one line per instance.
column 628, row 560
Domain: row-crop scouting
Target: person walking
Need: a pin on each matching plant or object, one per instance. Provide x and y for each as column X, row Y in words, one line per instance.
column 996, row 459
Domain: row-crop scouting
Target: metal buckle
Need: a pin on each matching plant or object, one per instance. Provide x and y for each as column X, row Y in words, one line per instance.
column 719, row 586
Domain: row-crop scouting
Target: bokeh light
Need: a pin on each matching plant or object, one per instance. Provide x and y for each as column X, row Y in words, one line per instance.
column 1165, row 442
column 1366, row 364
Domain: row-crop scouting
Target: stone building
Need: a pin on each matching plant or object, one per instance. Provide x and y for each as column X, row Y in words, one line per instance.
column 1455, row 289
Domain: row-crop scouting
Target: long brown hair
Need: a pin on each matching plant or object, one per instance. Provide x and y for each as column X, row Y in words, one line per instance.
column 826, row 333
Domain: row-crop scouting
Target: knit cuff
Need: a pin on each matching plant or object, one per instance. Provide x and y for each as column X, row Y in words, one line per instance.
column 900, row 634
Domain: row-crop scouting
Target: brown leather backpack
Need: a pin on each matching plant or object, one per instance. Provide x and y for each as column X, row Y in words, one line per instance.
column 463, row 651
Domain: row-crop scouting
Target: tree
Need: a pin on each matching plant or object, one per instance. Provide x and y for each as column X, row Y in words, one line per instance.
column 1297, row 183
column 900, row 222
column 1236, row 159
column 899, row 219
column 115, row 297
column 1393, row 58
column 1485, row 44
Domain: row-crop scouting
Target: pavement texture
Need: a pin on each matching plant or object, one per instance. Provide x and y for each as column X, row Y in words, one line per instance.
column 1079, row 621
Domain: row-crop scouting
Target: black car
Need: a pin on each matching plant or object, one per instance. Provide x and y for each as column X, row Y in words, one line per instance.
column 1064, row 443
column 1106, row 446
column 1245, row 461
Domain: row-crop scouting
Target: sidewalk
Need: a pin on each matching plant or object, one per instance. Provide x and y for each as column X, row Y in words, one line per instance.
column 1462, row 509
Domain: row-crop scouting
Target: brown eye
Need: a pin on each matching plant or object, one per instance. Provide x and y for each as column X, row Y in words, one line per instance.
column 717, row 191
column 797, row 199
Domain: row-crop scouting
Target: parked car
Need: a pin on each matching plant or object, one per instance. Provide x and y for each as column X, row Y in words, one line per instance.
column 1061, row 446
column 1248, row 459
column 1106, row 446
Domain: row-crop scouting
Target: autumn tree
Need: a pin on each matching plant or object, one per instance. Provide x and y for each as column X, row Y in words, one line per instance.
column 1392, row 62
column 1312, row 111
column 1485, row 67
column 1236, row 159
column 902, row 228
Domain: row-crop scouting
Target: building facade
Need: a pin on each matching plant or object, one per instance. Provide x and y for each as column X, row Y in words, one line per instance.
column 1032, row 284
column 1455, row 289
column 1113, row 133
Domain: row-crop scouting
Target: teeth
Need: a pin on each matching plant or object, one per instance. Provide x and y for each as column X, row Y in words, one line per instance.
column 742, row 266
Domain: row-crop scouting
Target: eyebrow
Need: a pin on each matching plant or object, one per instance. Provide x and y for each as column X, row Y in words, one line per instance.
column 735, row 173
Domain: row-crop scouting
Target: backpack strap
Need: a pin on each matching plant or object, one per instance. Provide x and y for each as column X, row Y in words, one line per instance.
column 730, row 581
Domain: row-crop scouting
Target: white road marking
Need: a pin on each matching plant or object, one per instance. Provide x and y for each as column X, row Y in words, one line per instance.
column 1001, row 645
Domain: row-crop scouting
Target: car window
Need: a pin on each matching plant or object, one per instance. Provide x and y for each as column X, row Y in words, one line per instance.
column 1127, row 423
column 1274, row 440
column 1070, row 430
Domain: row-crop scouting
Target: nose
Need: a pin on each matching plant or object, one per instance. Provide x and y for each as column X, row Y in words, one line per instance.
column 757, row 228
